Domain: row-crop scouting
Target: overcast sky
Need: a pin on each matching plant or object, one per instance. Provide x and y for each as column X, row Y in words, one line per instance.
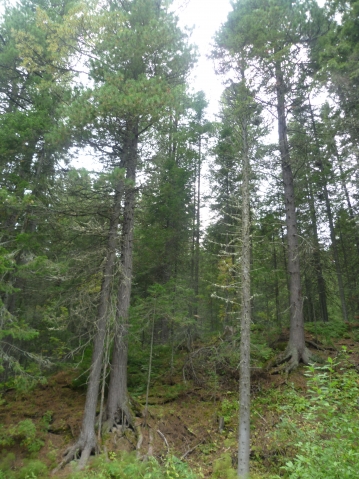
column 206, row 16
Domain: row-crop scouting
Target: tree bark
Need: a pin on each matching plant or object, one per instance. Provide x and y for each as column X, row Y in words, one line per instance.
column 296, row 350
column 118, row 410
column 244, row 386
column 87, row 442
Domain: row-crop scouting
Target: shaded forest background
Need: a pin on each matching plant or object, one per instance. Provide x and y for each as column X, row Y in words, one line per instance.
column 118, row 262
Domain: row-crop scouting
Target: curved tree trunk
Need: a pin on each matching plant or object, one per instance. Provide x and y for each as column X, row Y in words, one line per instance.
column 118, row 410
column 87, row 442
column 296, row 349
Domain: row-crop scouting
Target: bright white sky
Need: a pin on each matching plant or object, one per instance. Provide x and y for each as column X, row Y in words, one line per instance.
column 206, row 16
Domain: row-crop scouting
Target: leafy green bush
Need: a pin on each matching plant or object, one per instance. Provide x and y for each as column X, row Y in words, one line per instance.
column 222, row 468
column 26, row 432
column 46, row 421
column 229, row 409
column 327, row 440
column 5, row 438
column 33, row 469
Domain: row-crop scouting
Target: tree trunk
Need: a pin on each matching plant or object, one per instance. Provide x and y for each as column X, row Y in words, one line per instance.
column 87, row 442
column 244, row 386
column 296, row 350
column 285, row 262
column 308, row 306
column 118, row 410
column 317, row 259
column 276, row 285
column 197, row 229
column 331, row 222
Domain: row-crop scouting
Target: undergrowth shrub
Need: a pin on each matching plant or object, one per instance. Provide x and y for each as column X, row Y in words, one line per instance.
column 7, row 460
column 325, row 435
column 26, row 434
column 214, row 364
column 222, row 468
column 328, row 331
column 31, row 469
column 126, row 466
column 229, row 409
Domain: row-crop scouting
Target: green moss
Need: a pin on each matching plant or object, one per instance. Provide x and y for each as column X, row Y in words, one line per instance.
column 222, row 468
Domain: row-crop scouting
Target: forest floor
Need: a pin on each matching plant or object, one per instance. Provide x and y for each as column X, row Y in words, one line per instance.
column 191, row 417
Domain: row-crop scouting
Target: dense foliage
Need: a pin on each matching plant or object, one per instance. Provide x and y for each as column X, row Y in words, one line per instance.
column 98, row 265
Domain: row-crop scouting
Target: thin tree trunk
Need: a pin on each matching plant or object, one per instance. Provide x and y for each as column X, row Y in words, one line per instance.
column 349, row 204
column 193, row 246
column 197, row 230
column 331, row 222
column 351, row 213
column 103, row 387
column 12, row 302
column 276, row 285
column 296, row 349
column 308, row 301
column 285, row 262
column 317, row 259
column 150, row 365
column 244, row 385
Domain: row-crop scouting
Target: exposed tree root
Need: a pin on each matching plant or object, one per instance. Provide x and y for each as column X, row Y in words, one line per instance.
column 164, row 439
column 81, row 451
column 191, row 450
column 123, row 416
column 320, row 348
column 150, row 444
column 122, row 419
column 291, row 359
column 139, row 442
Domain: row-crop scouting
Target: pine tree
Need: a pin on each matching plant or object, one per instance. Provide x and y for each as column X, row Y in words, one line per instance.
column 272, row 34
column 136, row 56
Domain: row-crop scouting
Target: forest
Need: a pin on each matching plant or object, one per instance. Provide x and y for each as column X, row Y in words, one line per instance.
column 164, row 273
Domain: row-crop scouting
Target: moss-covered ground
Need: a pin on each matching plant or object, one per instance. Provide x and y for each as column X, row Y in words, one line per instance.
column 193, row 406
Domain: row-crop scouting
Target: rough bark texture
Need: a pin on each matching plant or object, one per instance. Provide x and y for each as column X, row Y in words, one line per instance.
column 244, row 385
column 296, row 350
column 87, row 442
column 118, row 410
